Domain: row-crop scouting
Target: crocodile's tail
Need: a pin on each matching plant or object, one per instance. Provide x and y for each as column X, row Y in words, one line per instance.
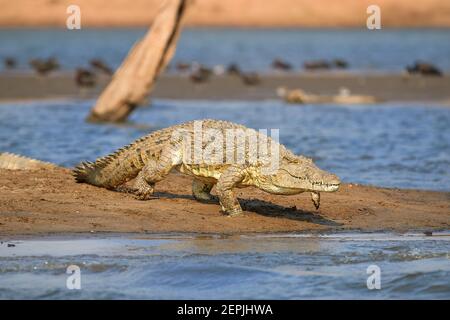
column 85, row 172
column 105, row 172
column 124, row 164
column 13, row 162
column 112, row 170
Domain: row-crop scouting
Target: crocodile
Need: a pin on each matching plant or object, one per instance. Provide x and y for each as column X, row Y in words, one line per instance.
column 149, row 160
column 14, row 162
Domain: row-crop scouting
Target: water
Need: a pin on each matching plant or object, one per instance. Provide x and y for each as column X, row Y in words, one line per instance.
column 253, row 49
column 386, row 145
column 290, row 266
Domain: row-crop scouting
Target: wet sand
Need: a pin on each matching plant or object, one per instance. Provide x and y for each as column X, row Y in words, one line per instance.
column 49, row 201
column 383, row 86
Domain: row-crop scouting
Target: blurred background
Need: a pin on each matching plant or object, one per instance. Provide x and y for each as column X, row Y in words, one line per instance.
column 236, row 13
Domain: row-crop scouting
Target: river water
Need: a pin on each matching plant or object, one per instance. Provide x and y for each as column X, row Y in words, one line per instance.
column 280, row 266
column 252, row 49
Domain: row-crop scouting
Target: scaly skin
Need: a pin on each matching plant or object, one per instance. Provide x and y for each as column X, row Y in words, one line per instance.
column 151, row 158
column 15, row 162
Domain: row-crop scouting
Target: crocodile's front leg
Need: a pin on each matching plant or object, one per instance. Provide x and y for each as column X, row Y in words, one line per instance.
column 230, row 178
column 201, row 190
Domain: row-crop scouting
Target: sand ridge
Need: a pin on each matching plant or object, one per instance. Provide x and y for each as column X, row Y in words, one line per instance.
column 384, row 87
column 49, row 201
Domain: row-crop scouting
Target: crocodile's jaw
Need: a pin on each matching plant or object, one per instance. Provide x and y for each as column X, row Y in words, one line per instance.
column 295, row 178
column 312, row 188
column 333, row 187
column 273, row 189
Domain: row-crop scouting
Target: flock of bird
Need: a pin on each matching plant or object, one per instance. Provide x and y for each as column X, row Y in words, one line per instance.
column 198, row 73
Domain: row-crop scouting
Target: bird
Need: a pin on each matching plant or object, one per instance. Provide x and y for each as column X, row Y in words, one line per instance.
column 250, row 78
column 424, row 68
column 340, row 63
column 281, row 65
column 316, row 65
column 100, row 65
column 200, row 73
column 84, row 78
column 44, row 66
column 10, row 62
column 233, row 69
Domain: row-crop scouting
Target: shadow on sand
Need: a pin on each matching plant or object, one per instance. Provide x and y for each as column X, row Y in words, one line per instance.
column 264, row 208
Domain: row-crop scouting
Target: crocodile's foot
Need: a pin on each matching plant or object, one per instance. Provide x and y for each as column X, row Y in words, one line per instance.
column 125, row 189
column 201, row 191
column 138, row 194
column 232, row 212
column 144, row 191
column 203, row 197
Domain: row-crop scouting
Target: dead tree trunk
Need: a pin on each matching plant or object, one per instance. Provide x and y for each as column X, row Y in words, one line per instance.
column 133, row 81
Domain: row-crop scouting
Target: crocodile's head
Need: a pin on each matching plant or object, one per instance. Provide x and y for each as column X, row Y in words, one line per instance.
column 303, row 175
column 300, row 174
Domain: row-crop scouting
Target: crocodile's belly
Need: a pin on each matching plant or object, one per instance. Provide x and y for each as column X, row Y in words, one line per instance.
column 203, row 172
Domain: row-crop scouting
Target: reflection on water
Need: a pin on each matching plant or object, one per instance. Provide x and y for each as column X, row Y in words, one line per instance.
column 386, row 145
column 286, row 266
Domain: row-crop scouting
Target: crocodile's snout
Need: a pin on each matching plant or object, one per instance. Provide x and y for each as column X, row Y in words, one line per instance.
column 334, row 179
column 325, row 181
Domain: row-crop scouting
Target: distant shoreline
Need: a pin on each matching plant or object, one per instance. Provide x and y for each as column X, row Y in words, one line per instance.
column 236, row 13
column 385, row 87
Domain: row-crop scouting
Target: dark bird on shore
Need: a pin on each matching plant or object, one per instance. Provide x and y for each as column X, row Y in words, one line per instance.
column 10, row 62
column 233, row 69
column 340, row 63
column 424, row 68
column 316, row 65
column 201, row 74
column 84, row 78
column 250, row 78
column 281, row 65
column 43, row 67
column 100, row 65
column 182, row 66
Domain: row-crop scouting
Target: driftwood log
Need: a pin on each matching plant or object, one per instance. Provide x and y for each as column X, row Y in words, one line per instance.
column 299, row 96
column 133, row 81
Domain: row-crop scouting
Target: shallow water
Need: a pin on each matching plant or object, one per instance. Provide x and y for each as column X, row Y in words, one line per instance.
column 387, row 145
column 253, row 49
column 289, row 266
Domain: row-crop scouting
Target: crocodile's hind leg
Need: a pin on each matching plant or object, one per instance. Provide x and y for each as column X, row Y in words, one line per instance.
column 201, row 190
column 156, row 170
column 144, row 185
column 224, row 188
